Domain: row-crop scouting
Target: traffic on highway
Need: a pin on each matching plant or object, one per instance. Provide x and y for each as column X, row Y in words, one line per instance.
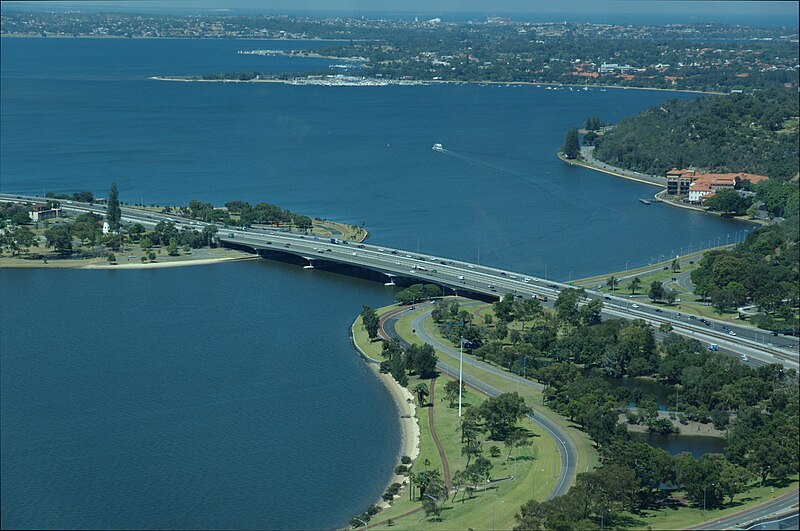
column 752, row 345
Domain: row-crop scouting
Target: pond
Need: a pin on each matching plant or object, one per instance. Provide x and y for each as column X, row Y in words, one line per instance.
column 659, row 391
column 697, row 445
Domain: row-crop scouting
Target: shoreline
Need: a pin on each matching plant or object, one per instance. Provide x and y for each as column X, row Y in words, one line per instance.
column 658, row 196
column 404, row 401
column 174, row 263
column 414, row 82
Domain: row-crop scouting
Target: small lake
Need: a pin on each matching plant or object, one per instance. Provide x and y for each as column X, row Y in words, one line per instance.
column 697, row 445
column 659, row 391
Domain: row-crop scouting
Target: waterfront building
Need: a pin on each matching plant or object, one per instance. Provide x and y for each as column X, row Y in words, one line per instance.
column 41, row 213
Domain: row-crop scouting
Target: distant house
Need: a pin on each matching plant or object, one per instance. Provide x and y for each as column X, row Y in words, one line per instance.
column 678, row 181
column 705, row 185
column 41, row 213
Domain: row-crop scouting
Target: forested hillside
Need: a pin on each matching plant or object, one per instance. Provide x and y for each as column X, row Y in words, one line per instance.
column 753, row 133
column 763, row 270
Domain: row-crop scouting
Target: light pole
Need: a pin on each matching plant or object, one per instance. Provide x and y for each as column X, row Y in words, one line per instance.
column 366, row 527
column 460, row 368
column 704, row 499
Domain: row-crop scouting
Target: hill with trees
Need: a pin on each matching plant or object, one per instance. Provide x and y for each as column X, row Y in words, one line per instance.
column 753, row 133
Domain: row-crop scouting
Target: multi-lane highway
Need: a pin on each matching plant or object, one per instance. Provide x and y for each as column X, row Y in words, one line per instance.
column 464, row 278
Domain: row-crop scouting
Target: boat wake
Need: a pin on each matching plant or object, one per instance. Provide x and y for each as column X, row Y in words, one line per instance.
column 541, row 183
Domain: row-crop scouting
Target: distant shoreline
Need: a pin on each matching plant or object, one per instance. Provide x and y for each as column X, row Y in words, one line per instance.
column 392, row 81
column 141, row 38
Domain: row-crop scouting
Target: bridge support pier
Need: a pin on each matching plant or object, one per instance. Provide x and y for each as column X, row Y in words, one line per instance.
column 310, row 264
column 391, row 281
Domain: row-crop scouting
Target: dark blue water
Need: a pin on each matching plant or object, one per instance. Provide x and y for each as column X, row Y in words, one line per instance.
column 211, row 397
column 357, row 154
column 228, row 396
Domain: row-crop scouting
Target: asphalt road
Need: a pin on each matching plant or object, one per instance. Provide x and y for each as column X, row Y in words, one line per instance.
column 786, row 504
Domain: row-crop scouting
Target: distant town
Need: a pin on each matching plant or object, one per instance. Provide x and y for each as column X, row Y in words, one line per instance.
column 707, row 57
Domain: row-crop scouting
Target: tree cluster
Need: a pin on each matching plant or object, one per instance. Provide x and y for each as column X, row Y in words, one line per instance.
column 763, row 270
column 414, row 359
column 242, row 213
column 417, row 293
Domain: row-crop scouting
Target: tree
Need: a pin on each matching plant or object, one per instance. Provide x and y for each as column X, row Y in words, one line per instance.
column 656, row 291
column 502, row 412
column 59, row 238
column 172, row 248
column 83, row 197
column 421, row 390
column 136, row 231
column 371, row 321
column 451, row 391
column 612, row 282
column 18, row 239
column 421, row 360
column 566, row 305
column 733, row 480
column 572, row 146
column 670, row 296
column 729, row 202
column 113, row 212
column 471, row 448
column 635, row 284
column 515, row 439
column 676, row 267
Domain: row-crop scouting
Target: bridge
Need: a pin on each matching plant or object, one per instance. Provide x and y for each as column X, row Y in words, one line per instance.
column 397, row 266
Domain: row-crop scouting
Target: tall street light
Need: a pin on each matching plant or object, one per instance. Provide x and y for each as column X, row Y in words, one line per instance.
column 460, row 368
column 704, row 499
column 366, row 527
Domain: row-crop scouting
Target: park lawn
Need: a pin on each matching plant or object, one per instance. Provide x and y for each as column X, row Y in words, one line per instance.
column 588, row 457
column 534, row 466
column 687, row 516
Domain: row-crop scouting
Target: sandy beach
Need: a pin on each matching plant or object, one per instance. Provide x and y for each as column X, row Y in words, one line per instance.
column 409, row 429
column 176, row 263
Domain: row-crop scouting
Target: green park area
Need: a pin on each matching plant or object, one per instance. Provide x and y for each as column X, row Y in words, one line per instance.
column 610, row 489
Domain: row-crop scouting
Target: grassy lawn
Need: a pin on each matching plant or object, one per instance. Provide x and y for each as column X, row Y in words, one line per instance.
column 534, row 469
column 534, row 465
column 685, row 516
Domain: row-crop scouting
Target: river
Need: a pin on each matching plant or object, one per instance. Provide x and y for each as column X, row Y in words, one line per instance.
column 229, row 396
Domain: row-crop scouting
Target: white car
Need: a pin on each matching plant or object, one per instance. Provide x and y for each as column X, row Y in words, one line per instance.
column 744, row 357
column 460, row 277
column 731, row 333
column 634, row 305
column 527, row 279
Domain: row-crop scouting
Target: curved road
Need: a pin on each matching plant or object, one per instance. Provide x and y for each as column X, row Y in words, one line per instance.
column 569, row 455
